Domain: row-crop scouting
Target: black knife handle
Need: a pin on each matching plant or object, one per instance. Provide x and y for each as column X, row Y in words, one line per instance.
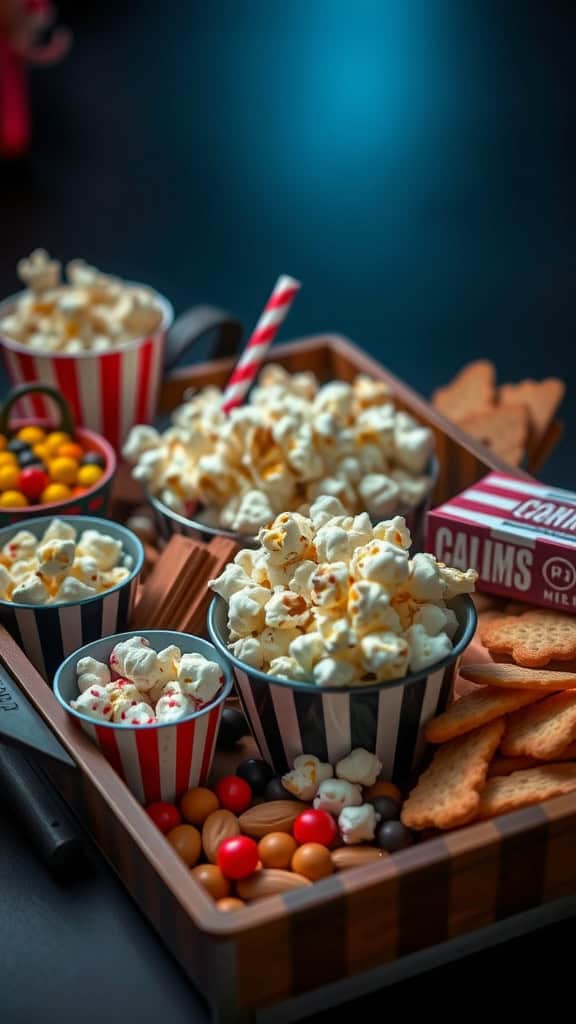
column 41, row 812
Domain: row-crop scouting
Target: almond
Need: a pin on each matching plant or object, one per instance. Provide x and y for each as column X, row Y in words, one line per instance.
column 269, row 882
column 219, row 825
column 275, row 816
column 354, row 856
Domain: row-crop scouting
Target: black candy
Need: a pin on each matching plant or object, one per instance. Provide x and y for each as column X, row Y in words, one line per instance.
column 256, row 773
column 393, row 836
column 17, row 447
column 233, row 727
column 27, row 459
column 386, row 807
column 94, row 459
column 275, row 790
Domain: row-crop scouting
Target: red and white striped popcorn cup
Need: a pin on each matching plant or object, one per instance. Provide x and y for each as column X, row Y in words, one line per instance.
column 163, row 760
column 109, row 392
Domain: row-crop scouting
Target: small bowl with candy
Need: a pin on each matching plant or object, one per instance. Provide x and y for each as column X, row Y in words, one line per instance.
column 66, row 582
column 152, row 703
column 48, row 469
column 339, row 639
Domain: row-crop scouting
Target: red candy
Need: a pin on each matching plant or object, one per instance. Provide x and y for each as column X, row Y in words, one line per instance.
column 32, row 482
column 315, row 827
column 238, row 857
column 165, row 816
column 234, row 794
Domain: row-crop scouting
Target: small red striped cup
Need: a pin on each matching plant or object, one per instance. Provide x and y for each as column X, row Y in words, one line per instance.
column 109, row 392
column 163, row 760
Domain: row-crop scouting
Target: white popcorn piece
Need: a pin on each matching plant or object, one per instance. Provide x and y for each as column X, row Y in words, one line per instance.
column 287, row 668
column 288, row 539
column 307, row 650
column 335, row 794
column 413, row 444
column 384, row 655
column 308, row 772
column 394, row 531
column 123, row 709
column 275, row 643
column 199, row 678
column 55, row 557
column 301, row 581
column 94, row 702
column 360, row 767
column 246, row 610
column 59, row 529
column 286, row 610
column 99, row 672
column 358, row 824
column 249, row 650
column 253, row 512
column 140, row 714
column 370, row 609
column 330, row 584
column 425, row 582
column 332, row 672
column 426, row 650
column 23, row 567
column 232, row 579
column 379, row 494
column 5, row 581
column 21, row 547
column 135, row 660
column 172, row 708
column 324, row 508
column 457, row 581
column 381, row 562
column 167, row 662
column 86, row 570
column 140, row 439
column 335, row 630
column 105, row 550
column 123, row 689
column 435, row 619
column 31, row 590
column 72, row 589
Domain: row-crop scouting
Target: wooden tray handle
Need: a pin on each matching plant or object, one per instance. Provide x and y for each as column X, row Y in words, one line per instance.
column 196, row 323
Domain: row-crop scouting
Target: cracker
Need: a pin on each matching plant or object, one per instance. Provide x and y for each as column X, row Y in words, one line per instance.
column 521, row 789
column 476, row 709
column 533, row 639
column 503, row 429
column 472, row 389
column 447, row 793
column 542, row 731
column 515, row 677
column 541, row 398
column 507, row 765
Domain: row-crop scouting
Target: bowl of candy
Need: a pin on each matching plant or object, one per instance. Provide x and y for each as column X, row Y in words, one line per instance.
column 49, row 469
column 295, row 439
column 152, row 703
column 65, row 582
column 339, row 639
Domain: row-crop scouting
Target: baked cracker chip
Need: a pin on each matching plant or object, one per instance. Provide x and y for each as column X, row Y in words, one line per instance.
column 447, row 793
column 521, row 789
column 476, row 709
column 541, row 398
column 472, row 389
column 533, row 639
column 507, row 765
column 503, row 429
column 515, row 677
column 542, row 731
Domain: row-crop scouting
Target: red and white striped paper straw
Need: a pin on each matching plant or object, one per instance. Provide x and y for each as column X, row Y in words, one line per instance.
column 273, row 315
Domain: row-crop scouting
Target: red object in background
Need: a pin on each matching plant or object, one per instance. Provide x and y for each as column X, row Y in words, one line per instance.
column 234, row 794
column 315, row 827
column 165, row 816
column 20, row 23
column 237, row 857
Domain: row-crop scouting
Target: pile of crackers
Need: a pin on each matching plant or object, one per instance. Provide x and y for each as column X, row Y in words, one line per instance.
column 516, row 421
column 511, row 740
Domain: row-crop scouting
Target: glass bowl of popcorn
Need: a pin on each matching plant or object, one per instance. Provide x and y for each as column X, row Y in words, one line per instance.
column 66, row 582
column 152, row 702
column 50, row 466
column 294, row 440
column 339, row 639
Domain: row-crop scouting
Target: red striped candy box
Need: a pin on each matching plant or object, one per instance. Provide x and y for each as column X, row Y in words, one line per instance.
column 160, row 761
column 109, row 392
column 519, row 535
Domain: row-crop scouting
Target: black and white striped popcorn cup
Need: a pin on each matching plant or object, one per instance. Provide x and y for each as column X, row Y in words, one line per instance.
column 48, row 633
column 387, row 719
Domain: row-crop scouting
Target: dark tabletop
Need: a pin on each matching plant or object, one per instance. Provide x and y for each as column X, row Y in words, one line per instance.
column 413, row 163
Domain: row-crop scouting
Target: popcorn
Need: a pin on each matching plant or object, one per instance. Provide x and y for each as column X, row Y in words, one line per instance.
column 140, row 714
column 105, row 550
column 55, row 557
column 335, row 794
column 89, row 311
column 360, row 767
column 369, row 615
column 171, row 708
column 91, row 672
column 86, row 570
column 137, row 662
column 358, row 824
column 72, row 589
column 5, row 581
column 22, row 546
column 294, row 443
column 199, row 678
column 30, row 590
column 306, row 775
column 94, row 702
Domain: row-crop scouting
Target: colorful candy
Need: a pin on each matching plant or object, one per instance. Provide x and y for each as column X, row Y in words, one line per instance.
column 37, row 467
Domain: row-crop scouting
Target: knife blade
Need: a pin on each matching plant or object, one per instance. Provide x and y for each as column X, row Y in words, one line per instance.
column 22, row 726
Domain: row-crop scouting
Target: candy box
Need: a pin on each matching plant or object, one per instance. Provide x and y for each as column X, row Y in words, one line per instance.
column 520, row 536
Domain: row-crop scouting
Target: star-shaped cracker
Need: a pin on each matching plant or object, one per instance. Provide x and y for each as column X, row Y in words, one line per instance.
column 533, row 639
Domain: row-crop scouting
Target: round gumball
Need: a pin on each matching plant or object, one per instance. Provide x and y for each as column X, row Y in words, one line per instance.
column 89, row 475
column 31, row 435
column 256, row 773
column 229, row 904
column 9, row 477
column 315, row 827
column 313, row 861
column 28, row 459
column 7, row 459
column 187, row 842
column 275, row 790
column 383, row 789
column 55, row 492
column 94, row 459
column 63, row 471
column 211, row 877
column 238, row 857
column 234, row 794
column 197, row 804
column 277, row 849
column 71, row 450
column 13, row 499
column 55, row 440
column 393, row 836
column 233, row 727
column 17, row 447
column 387, row 808
column 165, row 816
column 33, row 481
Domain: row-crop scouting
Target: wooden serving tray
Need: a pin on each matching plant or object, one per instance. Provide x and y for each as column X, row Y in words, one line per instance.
column 267, row 956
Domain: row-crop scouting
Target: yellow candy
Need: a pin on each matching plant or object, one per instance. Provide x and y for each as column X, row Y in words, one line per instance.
column 89, row 475
column 55, row 492
column 31, row 435
column 9, row 477
column 8, row 459
column 54, row 440
column 12, row 499
column 63, row 470
column 42, row 451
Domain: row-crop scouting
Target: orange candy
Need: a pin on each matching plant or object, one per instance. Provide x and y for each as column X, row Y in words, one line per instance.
column 187, row 842
column 313, row 861
column 197, row 804
column 277, row 849
column 230, row 903
column 383, row 789
column 210, row 876
column 70, row 450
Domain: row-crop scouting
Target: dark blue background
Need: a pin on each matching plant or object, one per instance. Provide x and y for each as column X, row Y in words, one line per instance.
column 411, row 161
